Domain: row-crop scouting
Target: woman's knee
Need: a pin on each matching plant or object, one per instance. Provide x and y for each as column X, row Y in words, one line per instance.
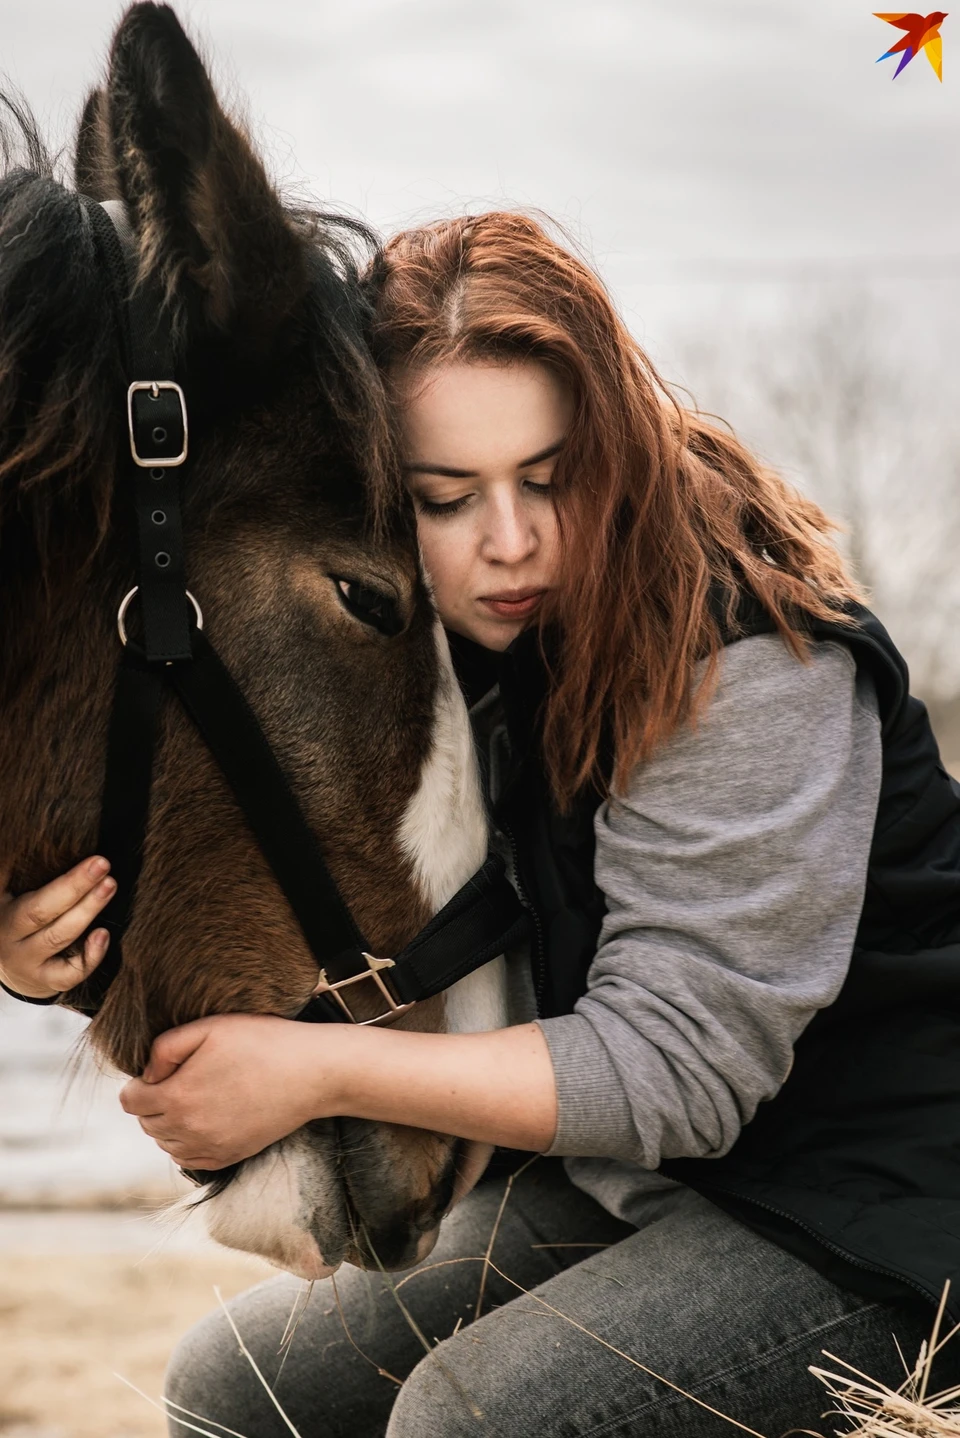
column 433, row 1402
column 209, row 1376
column 476, row 1383
column 201, row 1374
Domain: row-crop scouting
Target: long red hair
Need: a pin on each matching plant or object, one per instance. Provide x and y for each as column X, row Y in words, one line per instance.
column 659, row 507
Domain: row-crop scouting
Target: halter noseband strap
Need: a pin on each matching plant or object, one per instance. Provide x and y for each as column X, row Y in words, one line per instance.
column 484, row 917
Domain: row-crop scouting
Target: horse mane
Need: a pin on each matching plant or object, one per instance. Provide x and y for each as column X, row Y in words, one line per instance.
column 61, row 383
column 58, row 367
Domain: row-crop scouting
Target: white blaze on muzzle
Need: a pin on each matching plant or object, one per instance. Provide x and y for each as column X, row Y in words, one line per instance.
column 444, row 834
column 270, row 1206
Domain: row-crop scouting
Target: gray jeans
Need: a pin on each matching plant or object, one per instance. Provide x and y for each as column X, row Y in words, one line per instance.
column 691, row 1294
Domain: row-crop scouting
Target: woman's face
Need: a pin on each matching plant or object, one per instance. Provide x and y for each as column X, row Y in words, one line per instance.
column 480, row 442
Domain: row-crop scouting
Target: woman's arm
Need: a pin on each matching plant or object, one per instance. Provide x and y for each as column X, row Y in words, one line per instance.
column 734, row 872
column 222, row 1089
column 497, row 1087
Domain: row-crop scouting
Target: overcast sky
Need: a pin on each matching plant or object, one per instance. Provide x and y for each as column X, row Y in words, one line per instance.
column 682, row 140
column 725, row 162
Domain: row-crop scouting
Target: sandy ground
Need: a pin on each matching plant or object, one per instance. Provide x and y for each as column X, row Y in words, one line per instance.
column 83, row 1298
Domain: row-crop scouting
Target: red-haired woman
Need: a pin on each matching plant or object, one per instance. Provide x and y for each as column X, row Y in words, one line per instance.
column 738, row 1028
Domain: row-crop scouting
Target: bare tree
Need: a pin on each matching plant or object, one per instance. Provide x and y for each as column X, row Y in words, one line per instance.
column 829, row 398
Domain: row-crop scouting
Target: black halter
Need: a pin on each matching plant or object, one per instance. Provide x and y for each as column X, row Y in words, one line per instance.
column 484, row 917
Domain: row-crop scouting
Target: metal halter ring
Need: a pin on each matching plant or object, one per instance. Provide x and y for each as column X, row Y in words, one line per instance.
column 128, row 599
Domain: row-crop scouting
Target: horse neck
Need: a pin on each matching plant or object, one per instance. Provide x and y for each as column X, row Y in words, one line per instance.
column 56, row 680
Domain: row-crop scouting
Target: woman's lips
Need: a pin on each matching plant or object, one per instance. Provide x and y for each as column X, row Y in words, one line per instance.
column 513, row 604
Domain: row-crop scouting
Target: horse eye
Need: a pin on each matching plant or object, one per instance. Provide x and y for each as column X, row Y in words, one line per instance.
column 370, row 606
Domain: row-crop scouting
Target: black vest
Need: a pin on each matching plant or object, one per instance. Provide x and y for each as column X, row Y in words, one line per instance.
column 855, row 1164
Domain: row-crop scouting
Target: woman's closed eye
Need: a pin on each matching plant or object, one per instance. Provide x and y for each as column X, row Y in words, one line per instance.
column 442, row 507
column 448, row 507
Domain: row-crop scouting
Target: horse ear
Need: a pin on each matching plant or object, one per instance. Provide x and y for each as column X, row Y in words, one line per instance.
column 207, row 220
column 93, row 166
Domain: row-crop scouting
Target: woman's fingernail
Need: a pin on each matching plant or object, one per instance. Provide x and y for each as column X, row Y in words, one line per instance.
column 100, row 938
column 96, row 867
column 107, row 886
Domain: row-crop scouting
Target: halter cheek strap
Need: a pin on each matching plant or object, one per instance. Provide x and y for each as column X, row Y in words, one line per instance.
column 484, row 917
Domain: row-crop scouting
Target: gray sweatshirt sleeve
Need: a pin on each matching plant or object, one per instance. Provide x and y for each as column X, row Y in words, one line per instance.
column 734, row 871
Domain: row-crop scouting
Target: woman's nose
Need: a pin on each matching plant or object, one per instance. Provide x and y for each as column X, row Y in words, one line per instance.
column 510, row 536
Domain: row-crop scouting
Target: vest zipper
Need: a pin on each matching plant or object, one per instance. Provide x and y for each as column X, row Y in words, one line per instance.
column 537, row 955
column 834, row 1248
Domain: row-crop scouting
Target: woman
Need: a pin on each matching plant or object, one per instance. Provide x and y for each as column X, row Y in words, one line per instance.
column 680, row 707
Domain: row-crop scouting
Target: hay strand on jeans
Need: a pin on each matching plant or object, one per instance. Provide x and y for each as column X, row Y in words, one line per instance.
column 383, row 1372
column 419, row 1334
column 293, row 1323
column 253, row 1364
column 168, row 1404
column 876, row 1411
column 626, row 1356
column 496, row 1229
column 571, row 1245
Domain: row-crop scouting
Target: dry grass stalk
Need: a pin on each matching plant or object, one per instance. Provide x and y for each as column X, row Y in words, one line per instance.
column 496, row 1229
column 296, row 1313
column 625, row 1356
column 293, row 1323
column 168, row 1403
column 441, row 1263
column 880, row 1412
column 876, row 1411
column 571, row 1245
column 383, row 1372
column 253, row 1363
column 418, row 1333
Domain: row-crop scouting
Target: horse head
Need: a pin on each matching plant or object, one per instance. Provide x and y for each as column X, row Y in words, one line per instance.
column 322, row 616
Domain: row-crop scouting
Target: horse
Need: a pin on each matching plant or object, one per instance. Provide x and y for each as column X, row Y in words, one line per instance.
column 309, row 582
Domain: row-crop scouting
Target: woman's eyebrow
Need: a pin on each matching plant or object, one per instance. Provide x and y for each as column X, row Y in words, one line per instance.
column 443, row 469
column 424, row 467
column 541, row 455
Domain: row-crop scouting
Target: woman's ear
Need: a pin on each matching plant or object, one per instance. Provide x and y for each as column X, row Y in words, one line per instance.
column 208, row 222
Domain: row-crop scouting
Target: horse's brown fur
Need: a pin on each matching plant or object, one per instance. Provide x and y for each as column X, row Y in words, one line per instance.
column 286, row 414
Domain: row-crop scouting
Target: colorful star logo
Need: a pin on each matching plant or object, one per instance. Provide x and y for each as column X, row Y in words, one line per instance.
column 923, row 33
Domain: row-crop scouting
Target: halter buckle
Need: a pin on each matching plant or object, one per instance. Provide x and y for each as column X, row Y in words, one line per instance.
column 374, row 969
column 154, row 387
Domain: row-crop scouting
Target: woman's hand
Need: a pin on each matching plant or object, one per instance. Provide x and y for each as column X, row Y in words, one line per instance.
column 221, row 1089
column 36, row 927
